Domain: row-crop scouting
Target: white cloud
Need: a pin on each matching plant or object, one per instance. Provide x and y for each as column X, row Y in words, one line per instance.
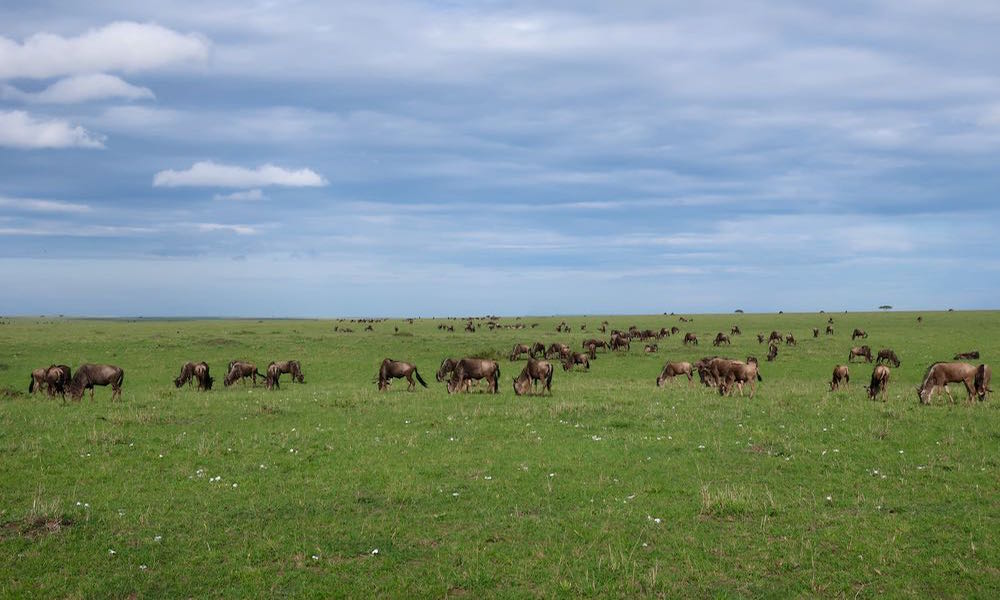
column 44, row 206
column 18, row 129
column 80, row 88
column 211, row 174
column 238, row 229
column 120, row 46
column 254, row 194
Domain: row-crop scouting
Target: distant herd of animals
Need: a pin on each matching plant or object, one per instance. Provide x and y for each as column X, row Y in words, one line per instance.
column 460, row 375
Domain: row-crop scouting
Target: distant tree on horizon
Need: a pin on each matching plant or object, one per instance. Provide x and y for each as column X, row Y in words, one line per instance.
column 885, row 307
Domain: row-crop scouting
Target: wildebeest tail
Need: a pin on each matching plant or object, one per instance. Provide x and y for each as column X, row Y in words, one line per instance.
column 416, row 374
column 31, row 385
column 548, row 379
column 759, row 378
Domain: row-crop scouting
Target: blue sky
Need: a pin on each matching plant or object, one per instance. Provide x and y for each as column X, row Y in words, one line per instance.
column 437, row 158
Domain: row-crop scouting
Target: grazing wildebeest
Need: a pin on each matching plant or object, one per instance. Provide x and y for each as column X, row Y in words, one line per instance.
column 815, row 332
column 760, row 338
column 57, row 377
column 673, row 369
column 886, row 355
column 650, row 348
column 596, row 343
column 720, row 339
column 772, row 352
column 240, row 370
column 982, row 381
column 272, row 375
column 675, row 330
column 620, row 342
column 841, row 376
column 859, row 333
column 292, row 367
column 186, row 376
column 518, row 350
column 775, row 337
column 735, row 330
column 862, row 351
column 535, row 371
column 537, row 350
column 87, row 376
column 967, row 355
column 829, row 330
column 474, row 368
column 690, row 338
column 920, row 319
column 790, row 340
column 940, row 374
column 397, row 369
column 37, row 380
column 203, row 376
column 576, row 358
column 727, row 372
column 557, row 350
column 879, row 383
column 195, row 371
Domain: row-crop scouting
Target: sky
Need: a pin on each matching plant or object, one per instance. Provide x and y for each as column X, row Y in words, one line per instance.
column 398, row 158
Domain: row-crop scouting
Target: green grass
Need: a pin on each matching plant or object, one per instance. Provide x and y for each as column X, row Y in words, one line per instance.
column 611, row 487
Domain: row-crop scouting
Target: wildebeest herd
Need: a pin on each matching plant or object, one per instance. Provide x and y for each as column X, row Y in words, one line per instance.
column 460, row 375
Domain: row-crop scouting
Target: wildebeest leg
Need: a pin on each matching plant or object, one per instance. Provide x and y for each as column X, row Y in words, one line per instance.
column 970, row 388
column 409, row 377
column 951, row 400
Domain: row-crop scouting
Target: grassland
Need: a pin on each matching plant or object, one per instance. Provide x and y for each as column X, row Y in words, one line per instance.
column 609, row 488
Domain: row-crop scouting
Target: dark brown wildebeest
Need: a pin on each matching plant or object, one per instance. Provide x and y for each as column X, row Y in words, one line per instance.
column 186, row 376
column 879, row 383
column 772, row 352
column 829, row 330
column 735, row 330
column 557, row 350
column 37, row 381
column 292, row 367
column 815, row 332
column 518, row 350
column 603, row 328
column 760, row 338
column 203, row 375
column 682, row 319
column 774, row 337
column 596, row 343
column 576, row 358
column 591, row 351
column 271, row 377
column 195, row 371
column 886, row 355
column 87, row 376
column 727, row 372
column 535, row 371
column 57, row 378
column 650, row 348
column 673, row 369
column 720, row 339
column 675, row 330
column 982, row 381
column 664, row 332
column 474, row 368
column 537, row 350
column 701, row 366
column 830, row 320
column 240, row 370
column 859, row 333
column 862, row 351
column 690, row 338
column 940, row 374
column 620, row 342
column 470, row 327
column 920, row 319
column 790, row 340
column 841, row 376
column 974, row 355
column 397, row 369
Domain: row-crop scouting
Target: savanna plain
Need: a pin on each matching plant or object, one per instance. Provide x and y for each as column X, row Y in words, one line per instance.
column 610, row 487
